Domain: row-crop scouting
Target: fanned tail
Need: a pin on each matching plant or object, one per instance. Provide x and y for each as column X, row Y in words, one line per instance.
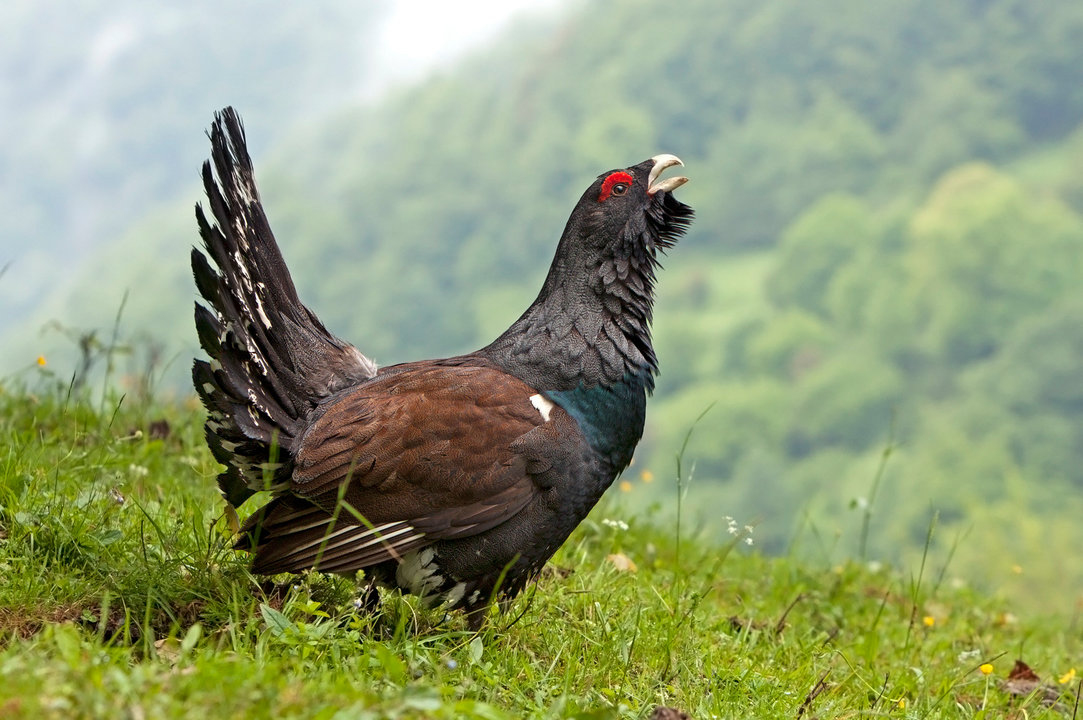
column 271, row 359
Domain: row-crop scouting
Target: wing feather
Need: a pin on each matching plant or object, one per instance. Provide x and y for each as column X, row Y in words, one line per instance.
column 425, row 452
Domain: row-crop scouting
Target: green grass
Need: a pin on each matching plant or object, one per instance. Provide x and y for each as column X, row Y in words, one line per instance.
column 120, row 597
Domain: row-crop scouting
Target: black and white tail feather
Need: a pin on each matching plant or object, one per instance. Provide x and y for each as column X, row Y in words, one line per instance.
column 271, row 359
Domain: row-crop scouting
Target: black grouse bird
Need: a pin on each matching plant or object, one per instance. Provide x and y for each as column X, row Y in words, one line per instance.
column 454, row 479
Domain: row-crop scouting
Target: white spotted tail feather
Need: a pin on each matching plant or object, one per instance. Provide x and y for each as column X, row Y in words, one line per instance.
column 271, row 359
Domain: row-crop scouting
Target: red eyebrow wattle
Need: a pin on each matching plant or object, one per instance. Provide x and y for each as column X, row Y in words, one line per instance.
column 609, row 182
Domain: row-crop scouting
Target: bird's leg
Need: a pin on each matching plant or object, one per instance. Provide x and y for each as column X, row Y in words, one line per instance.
column 369, row 599
column 475, row 617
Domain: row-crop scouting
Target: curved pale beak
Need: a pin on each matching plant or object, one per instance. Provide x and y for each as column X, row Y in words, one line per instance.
column 661, row 162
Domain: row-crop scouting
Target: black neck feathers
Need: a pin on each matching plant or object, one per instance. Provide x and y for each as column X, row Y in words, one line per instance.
column 590, row 324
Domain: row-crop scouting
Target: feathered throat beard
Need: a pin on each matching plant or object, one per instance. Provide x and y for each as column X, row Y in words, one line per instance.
column 668, row 220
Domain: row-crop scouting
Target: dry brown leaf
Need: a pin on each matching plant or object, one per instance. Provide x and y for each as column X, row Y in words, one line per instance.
column 1022, row 681
column 168, row 649
column 622, row 562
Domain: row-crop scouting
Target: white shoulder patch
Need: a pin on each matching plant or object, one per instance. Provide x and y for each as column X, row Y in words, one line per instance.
column 543, row 405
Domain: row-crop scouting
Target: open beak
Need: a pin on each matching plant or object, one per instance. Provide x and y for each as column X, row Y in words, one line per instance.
column 661, row 162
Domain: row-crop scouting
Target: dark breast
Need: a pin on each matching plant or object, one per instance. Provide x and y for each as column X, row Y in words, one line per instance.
column 610, row 417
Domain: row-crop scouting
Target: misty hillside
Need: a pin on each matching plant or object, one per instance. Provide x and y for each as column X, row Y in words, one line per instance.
column 887, row 250
column 104, row 105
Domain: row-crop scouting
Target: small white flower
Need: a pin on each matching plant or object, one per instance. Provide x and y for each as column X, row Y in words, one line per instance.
column 616, row 524
column 138, row 470
column 969, row 655
column 748, row 541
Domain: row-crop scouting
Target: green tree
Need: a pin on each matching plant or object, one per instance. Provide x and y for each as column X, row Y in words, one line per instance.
column 820, row 242
column 983, row 255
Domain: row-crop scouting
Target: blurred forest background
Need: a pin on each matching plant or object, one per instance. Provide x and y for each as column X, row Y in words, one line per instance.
column 887, row 258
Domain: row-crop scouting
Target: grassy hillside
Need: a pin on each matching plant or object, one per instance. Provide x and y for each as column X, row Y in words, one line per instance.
column 885, row 262
column 121, row 598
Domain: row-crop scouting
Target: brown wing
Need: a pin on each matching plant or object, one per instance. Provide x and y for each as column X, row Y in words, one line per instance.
column 425, row 452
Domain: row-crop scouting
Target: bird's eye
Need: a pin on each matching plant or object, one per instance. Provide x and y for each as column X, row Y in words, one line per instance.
column 616, row 184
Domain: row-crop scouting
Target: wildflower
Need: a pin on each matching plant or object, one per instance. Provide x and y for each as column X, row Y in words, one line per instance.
column 646, row 476
column 625, row 486
column 986, row 669
column 1017, row 569
column 41, row 360
column 615, row 524
column 968, row 655
column 928, row 621
column 901, row 704
column 748, row 541
column 1067, row 677
column 138, row 470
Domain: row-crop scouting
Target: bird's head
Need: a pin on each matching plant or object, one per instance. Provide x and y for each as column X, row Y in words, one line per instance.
column 590, row 324
column 632, row 210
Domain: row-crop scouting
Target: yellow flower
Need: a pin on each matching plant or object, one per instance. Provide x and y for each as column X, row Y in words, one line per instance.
column 625, row 486
column 901, row 704
column 646, row 476
column 1017, row 569
column 928, row 621
column 41, row 360
column 986, row 669
column 1067, row 677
